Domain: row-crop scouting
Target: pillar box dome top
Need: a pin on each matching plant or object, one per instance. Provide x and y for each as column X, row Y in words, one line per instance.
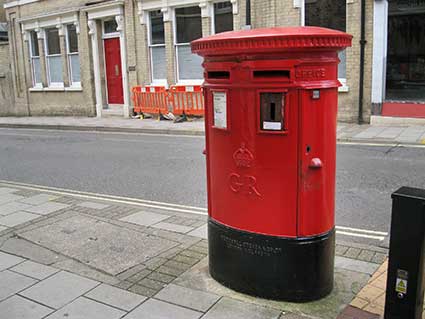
column 271, row 40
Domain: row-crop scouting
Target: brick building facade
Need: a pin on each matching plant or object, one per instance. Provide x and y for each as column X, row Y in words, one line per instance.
column 82, row 57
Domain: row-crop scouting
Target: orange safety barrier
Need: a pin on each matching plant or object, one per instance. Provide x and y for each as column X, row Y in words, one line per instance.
column 150, row 99
column 187, row 99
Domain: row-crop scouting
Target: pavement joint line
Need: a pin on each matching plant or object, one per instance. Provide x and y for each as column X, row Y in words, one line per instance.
column 29, row 299
column 361, row 233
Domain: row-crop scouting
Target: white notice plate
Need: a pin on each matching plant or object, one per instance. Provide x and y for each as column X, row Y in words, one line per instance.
column 273, row 126
column 220, row 109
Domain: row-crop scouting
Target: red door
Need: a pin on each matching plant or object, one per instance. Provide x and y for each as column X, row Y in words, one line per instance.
column 113, row 71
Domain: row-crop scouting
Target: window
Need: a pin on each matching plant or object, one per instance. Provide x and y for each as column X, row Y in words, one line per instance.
column 73, row 56
column 223, row 17
column 188, row 28
column 328, row 14
column 157, row 46
column 35, row 60
column 110, row 26
column 53, row 58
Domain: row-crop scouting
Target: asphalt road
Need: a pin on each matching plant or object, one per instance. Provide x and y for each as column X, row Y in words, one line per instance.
column 172, row 169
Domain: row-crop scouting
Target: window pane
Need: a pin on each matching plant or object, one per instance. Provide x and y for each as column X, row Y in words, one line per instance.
column 189, row 25
column 55, row 69
column 53, row 46
column 34, row 44
column 326, row 13
column 74, row 61
column 157, row 27
column 159, row 64
column 37, row 70
column 189, row 64
column 110, row 26
column 405, row 80
column 72, row 39
column 223, row 17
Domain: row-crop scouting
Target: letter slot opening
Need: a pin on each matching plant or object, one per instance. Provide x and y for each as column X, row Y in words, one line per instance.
column 271, row 74
column 218, row 74
column 272, row 107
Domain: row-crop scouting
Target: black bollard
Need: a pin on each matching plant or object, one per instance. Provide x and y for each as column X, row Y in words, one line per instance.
column 405, row 281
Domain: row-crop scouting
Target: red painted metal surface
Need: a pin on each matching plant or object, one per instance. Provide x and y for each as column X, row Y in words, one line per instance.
column 113, row 71
column 414, row 110
column 271, row 159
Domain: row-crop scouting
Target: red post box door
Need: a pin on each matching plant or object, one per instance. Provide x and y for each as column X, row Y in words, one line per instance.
column 252, row 152
column 317, row 153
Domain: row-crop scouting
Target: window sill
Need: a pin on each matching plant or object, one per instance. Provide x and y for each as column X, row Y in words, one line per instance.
column 343, row 89
column 190, row 82
column 74, row 89
column 56, row 89
column 36, row 89
column 159, row 83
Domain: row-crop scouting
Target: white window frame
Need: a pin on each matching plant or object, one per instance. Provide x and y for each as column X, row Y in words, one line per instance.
column 72, row 84
column 162, row 82
column 35, row 85
column 47, row 56
column 213, row 15
column 344, row 87
column 176, row 45
column 109, row 35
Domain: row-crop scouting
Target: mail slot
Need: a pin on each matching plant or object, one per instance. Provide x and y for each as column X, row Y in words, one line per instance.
column 270, row 119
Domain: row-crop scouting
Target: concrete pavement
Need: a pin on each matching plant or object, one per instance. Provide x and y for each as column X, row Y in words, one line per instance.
column 70, row 255
column 401, row 134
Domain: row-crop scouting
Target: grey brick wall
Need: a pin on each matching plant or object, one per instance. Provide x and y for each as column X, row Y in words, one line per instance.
column 265, row 13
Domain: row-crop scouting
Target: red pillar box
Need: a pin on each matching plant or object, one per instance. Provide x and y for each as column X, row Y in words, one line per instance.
column 271, row 106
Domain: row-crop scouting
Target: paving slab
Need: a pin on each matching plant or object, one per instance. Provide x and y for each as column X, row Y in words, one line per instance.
column 17, row 307
column 17, row 218
column 228, row 308
column 116, row 297
column 8, row 260
column 201, row 232
column 7, row 198
column 347, row 285
column 369, row 133
column 83, row 308
column 11, row 283
column 26, row 249
column 59, row 289
column 173, row 227
column 190, row 298
column 38, row 199
column 99, row 244
column 391, row 132
column 355, row 265
column 144, row 218
column 34, row 270
column 7, row 190
column 12, row 207
column 81, row 269
column 156, row 309
column 46, row 208
column 93, row 205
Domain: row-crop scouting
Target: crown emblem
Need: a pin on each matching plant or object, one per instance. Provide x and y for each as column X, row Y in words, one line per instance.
column 243, row 157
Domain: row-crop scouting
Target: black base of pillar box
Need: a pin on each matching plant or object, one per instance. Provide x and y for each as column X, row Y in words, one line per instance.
column 290, row 269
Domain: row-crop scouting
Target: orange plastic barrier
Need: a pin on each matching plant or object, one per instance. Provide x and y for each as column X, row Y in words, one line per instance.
column 187, row 99
column 150, row 99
